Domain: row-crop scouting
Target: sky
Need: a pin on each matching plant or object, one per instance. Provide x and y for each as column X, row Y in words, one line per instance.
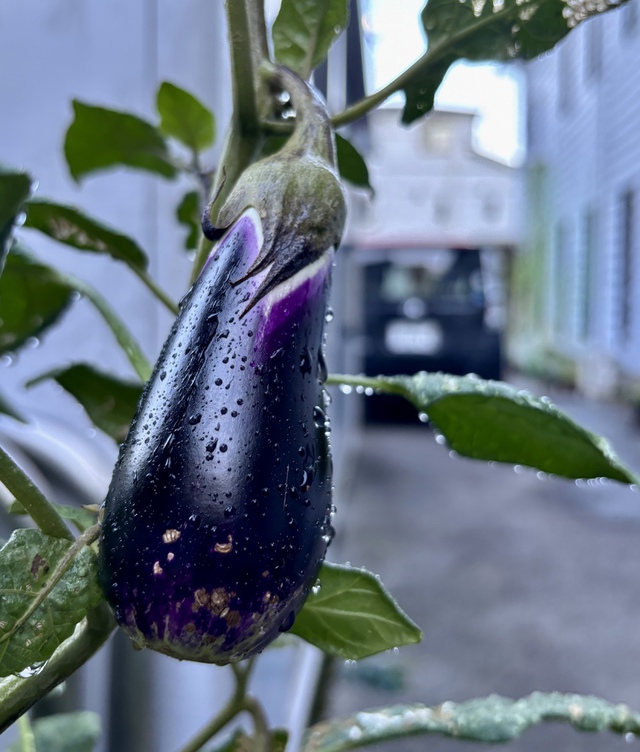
column 393, row 39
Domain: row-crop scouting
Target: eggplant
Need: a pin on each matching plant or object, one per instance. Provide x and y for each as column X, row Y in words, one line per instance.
column 218, row 515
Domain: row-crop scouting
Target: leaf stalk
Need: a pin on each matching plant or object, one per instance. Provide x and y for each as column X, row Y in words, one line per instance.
column 235, row 706
column 41, row 511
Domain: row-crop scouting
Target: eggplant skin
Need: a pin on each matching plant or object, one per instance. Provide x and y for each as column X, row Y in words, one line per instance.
column 218, row 515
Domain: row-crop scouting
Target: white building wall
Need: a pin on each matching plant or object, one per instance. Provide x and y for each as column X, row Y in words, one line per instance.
column 433, row 190
column 584, row 126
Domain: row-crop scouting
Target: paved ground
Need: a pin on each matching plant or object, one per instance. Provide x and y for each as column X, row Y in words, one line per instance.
column 520, row 584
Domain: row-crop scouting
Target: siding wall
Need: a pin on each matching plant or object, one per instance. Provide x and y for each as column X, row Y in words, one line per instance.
column 584, row 126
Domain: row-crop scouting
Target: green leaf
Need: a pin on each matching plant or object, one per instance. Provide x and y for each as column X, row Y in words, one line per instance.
column 189, row 214
column 484, row 30
column 490, row 420
column 185, row 118
column 110, row 402
column 65, row 732
column 71, row 227
column 492, row 720
column 352, row 615
column 18, row 695
column 99, row 139
column 351, row 165
column 420, row 92
column 15, row 189
column 83, row 519
column 32, row 298
column 304, row 31
column 28, row 563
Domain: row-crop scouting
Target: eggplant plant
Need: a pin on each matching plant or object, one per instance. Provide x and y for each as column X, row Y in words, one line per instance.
column 213, row 535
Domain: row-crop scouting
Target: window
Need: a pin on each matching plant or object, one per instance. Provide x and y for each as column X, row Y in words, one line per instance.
column 565, row 76
column 629, row 17
column 627, row 240
column 593, row 48
column 588, row 290
column 561, row 275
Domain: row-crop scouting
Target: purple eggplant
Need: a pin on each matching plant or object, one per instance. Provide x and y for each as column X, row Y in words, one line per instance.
column 218, row 515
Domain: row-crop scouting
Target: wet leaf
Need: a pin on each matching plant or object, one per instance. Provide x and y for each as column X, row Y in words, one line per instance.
column 304, row 31
column 76, row 229
column 15, row 189
column 32, row 298
column 492, row 720
column 99, row 138
column 421, row 91
column 185, row 118
column 490, row 420
column 487, row 30
column 352, row 615
column 27, row 564
column 110, row 402
column 351, row 164
column 189, row 214
column 65, row 732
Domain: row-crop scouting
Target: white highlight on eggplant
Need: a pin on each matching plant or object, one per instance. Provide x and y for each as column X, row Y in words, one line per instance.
column 284, row 289
column 252, row 215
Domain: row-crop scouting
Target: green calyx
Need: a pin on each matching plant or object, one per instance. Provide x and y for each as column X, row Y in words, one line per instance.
column 296, row 192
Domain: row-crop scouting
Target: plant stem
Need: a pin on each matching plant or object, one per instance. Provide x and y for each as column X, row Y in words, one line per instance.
column 27, row 737
column 245, row 107
column 162, row 296
column 17, row 695
column 124, row 337
column 360, row 108
column 260, row 726
column 435, row 54
column 32, row 499
column 249, row 49
column 239, row 152
column 234, row 706
column 337, row 379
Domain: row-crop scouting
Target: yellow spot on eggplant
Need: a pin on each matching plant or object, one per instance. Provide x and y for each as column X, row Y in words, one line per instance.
column 216, row 601
column 233, row 618
column 224, row 548
column 157, row 569
column 170, row 535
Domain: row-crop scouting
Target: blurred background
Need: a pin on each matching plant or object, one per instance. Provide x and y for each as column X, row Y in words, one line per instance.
column 502, row 239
